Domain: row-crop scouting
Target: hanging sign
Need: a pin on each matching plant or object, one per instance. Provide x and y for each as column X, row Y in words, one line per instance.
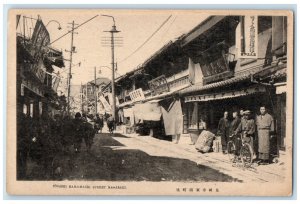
column 137, row 95
column 105, row 104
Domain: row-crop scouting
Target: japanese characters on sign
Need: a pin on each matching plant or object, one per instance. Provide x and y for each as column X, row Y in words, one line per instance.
column 249, row 37
column 137, row 95
column 223, row 95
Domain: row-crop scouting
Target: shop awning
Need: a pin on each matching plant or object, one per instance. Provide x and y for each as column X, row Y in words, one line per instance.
column 226, row 94
column 128, row 112
column 147, row 111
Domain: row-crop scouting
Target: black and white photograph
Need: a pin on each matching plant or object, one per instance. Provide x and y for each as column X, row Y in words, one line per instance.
column 150, row 102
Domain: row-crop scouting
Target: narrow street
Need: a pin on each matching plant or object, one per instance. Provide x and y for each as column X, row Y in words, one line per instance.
column 117, row 157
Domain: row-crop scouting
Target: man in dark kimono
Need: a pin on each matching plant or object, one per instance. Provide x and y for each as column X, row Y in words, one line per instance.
column 265, row 127
column 235, row 122
column 223, row 131
column 233, row 127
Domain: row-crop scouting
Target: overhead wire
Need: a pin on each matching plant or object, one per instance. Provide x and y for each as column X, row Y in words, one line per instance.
column 171, row 24
column 149, row 38
column 73, row 29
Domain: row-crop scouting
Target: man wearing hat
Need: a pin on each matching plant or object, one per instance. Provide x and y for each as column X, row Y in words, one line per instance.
column 265, row 127
column 247, row 127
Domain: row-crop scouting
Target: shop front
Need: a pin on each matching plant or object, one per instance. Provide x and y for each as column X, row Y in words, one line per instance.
column 204, row 109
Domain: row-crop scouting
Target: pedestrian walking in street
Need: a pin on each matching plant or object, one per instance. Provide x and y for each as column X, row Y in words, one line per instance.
column 110, row 124
column 67, row 134
column 223, row 131
column 78, row 132
column 265, row 128
column 88, row 132
column 98, row 123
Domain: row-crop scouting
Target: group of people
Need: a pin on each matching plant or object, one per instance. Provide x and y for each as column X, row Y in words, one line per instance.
column 42, row 138
column 260, row 128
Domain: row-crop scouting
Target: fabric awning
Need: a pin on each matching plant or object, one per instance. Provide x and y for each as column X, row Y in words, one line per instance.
column 147, row 111
column 226, row 94
column 128, row 112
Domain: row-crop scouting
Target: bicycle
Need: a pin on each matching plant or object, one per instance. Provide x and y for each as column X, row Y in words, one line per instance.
column 243, row 152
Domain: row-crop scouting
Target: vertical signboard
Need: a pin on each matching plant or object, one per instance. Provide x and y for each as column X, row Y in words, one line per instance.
column 248, row 37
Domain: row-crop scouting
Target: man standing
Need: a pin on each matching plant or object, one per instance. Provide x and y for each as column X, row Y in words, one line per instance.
column 242, row 114
column 246, row 128
column 111, row 124
column 77, row 131
column 223, row 131
column 235, row 122
column 265, row 127
column 98, row 123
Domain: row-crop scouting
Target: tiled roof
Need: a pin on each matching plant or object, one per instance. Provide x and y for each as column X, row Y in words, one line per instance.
column 200, row 87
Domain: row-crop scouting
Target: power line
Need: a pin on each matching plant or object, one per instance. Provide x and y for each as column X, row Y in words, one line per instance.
column 146, row 39
column 73, row 29
column 171, row 24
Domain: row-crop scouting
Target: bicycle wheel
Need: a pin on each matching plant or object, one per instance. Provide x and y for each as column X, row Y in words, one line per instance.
column 231, row 150
column 246, row 155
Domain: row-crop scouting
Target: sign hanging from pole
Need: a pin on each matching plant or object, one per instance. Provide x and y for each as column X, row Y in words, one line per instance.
column 105, row 104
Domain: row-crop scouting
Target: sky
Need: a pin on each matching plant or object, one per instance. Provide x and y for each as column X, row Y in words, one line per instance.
column 135, row 26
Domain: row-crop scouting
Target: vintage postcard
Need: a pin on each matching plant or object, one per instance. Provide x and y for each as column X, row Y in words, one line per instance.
column 150, row 102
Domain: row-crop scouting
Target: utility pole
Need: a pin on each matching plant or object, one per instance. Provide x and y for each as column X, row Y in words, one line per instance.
column 70, row 67
column 112, row 31
column 81, row 97
column 95, row 90
column 86, row 97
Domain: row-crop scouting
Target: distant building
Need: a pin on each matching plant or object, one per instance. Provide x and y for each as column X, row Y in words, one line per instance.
column 88, row 95
column 75, row 98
